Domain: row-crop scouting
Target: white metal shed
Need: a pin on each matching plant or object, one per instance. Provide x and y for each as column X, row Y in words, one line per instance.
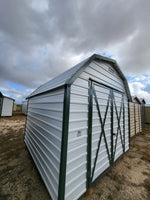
column 78, row 125
column 6, row 106
column 24, row 107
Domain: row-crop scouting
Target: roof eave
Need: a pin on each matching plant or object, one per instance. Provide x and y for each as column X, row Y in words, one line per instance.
column 28, row 97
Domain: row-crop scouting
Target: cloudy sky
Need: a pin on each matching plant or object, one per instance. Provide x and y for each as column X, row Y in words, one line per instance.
column 41, row 39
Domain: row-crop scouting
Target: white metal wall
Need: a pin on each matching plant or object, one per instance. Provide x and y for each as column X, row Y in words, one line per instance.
column 78, row 125
column 135, row 119
column 44, row 134
column 7, row 107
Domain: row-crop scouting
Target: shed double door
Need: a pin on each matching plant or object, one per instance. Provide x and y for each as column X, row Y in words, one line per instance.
column 106, row 129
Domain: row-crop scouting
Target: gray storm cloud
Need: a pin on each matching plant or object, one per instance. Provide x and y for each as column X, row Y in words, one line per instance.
column 67, row 29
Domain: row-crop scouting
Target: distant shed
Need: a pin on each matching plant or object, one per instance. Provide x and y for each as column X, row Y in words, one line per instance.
column 24, row 107
column 15, row 107
column 6, row 105
column 147, row 113
column 135, row 116
column 78, row 125
column 143, row 102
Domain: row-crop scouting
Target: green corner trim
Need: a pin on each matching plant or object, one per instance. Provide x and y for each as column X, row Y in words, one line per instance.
column 64, row 144
column 89, row 138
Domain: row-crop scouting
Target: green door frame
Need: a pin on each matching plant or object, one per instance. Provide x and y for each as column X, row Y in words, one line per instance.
column 1, row 105
column 110, row 102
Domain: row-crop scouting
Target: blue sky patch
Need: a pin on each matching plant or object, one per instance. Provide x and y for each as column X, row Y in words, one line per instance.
column 17, row 86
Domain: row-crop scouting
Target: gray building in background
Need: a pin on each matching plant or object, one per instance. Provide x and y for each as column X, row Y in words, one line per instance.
column 6, row 105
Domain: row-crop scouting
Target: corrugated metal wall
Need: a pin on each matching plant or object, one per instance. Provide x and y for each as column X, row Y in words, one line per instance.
column 78, row 125
column 135, row 119
column 43, row 136
column 7, row 107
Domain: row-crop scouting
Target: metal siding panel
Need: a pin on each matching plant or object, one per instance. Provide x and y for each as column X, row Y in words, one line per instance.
column 77, row 136
column 77, row 191
column 43, row 136
column 77, row 141
column 35, row 155
column 108, row 70
column 101, row 78
column 7, row 107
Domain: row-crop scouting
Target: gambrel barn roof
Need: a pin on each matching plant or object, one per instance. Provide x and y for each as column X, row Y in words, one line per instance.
column 135, row 99
column 69, row 76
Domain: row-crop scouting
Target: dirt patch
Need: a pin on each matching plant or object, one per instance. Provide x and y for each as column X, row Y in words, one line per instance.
column 19, row 179
column 127, row 179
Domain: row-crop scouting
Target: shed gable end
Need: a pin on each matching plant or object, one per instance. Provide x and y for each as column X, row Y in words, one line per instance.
column 101, row 72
